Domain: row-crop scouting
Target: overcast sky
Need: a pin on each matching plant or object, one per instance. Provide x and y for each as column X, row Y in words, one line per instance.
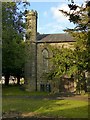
column 50, row 19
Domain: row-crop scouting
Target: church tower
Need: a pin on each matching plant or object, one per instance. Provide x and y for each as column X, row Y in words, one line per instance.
column 31, row 23
column 31, row 51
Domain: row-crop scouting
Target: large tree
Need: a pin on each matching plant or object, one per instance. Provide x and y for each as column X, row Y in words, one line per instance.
column 78, row 15
column 12, row 40
column 74, row 62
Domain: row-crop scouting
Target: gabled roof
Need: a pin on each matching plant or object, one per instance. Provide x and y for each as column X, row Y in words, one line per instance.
column 50, row 38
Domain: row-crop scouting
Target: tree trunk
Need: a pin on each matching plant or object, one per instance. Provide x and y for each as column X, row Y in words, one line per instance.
column 7, row 79
column 18, row 80
column 85, row 87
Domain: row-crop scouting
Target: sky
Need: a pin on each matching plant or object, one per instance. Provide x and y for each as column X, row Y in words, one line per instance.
column 50, row 19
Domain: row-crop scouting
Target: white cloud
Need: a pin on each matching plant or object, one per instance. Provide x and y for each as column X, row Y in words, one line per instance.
column 57, row 22
column 52, row 27
column 57, row 15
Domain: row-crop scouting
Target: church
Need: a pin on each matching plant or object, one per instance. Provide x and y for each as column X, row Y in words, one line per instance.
column 37, row 53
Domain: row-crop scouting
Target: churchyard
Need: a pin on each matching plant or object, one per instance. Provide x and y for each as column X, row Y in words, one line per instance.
column 59, row 61
column 19, row 103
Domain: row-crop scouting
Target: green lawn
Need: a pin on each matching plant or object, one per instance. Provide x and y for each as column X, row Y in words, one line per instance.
column 14, row 90
column 42, row 107
column 51, row 108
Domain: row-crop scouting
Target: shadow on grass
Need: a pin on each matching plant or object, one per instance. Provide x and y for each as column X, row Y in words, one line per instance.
column 41, row 107
column 28, row 108
column 64, row 114
column 79, row 112
column 19, row 90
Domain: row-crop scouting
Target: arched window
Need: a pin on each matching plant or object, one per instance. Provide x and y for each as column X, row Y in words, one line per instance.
column 45, row 59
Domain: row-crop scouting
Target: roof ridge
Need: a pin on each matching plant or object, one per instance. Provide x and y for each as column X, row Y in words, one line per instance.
column 54, row 34
column 55, row 37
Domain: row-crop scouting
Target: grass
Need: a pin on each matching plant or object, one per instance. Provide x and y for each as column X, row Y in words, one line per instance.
column 42, row 107
column 14, row 90
column 49, row 108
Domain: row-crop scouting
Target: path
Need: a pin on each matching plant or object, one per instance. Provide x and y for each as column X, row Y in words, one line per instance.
column 51, row 97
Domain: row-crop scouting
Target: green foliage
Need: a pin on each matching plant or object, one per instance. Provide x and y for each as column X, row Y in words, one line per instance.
column 71, row 61
column 62, row 60
column 13, row 48
column 79, row 15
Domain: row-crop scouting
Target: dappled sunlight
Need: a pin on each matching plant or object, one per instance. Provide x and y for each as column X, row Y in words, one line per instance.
column 35, row 105
column 64, row 108
column 49, row 108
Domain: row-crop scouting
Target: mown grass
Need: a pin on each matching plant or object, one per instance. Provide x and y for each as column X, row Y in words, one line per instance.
column 15, row 90
column 49, row 108
column 41, row 107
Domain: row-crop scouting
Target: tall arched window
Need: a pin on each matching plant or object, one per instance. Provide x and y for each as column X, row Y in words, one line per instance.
column 45, row 60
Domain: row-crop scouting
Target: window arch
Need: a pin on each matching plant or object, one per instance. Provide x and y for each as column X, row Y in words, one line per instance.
column 45, row 59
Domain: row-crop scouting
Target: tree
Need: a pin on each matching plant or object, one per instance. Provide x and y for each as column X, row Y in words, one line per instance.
column 74, row 62
column 81, row 59
column 62, row 60
column 71, row 61
column 19, row 61
column 12, row 39
column 78, row 15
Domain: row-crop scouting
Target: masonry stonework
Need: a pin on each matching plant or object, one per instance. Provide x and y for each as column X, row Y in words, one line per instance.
column 39, row 54
column 30, row 67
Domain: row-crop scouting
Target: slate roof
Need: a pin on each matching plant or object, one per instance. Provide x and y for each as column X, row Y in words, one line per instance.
column 50, row 38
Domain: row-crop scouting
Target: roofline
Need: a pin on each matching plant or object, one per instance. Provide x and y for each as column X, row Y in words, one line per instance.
column 54, row 42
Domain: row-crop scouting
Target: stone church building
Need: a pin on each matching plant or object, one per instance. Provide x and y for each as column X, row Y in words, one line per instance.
column 37, row 53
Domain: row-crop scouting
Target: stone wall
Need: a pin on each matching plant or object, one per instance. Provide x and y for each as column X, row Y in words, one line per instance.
column 55, row 84
column 40, row 65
